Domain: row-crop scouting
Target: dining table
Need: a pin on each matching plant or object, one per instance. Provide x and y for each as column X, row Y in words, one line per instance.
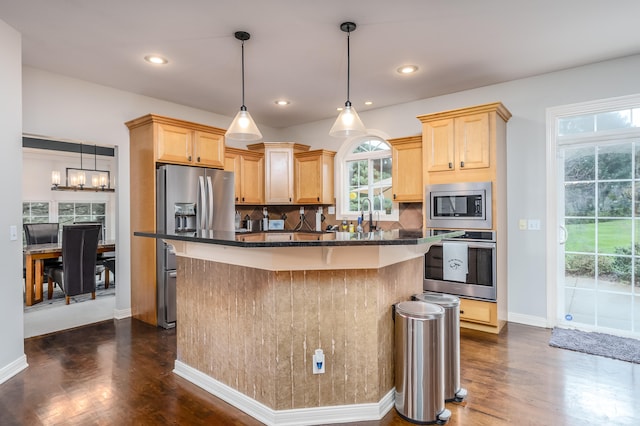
column 35, row 255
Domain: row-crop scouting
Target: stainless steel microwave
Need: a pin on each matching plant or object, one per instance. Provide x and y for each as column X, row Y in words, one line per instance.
column 465, row 205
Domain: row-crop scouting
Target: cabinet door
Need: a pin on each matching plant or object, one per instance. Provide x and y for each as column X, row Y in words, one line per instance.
column 208, row 149
column 479, row 312
column 252, row 180
column 438, row 145
column 279, row 176
column 406, row 172
column 308, row 183
column 472, row 141
column 174, row 144
column 232, row 163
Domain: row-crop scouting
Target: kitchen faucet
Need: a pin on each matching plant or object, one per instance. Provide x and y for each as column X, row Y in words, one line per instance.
column 367, row 199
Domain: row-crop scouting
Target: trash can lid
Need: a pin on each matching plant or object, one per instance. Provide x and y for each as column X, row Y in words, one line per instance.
column 444, row 300
column 417, row 309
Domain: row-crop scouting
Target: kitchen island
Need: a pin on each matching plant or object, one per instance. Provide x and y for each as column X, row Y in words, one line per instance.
column 253, row 308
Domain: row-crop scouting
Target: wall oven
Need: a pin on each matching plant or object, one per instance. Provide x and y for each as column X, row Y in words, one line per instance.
column 465, row 205
column 463, row 265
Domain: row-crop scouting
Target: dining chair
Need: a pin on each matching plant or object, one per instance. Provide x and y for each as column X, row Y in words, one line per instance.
column 79, row 249
column 109, row 266
column 100, row 268
column 42, row 233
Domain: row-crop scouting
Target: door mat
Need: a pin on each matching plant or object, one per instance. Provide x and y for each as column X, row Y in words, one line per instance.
column 622, row 348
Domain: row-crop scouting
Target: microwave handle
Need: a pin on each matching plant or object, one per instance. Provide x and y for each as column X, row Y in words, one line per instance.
column 471, row 244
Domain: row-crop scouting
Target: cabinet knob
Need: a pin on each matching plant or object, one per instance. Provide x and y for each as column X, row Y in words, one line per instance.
column 289, row 199
column 237, row 199
column 243, row 199
column 462, row 164
column 394, row 196
column 198, row 159
column 451, row 165
column 189, row 158
column 318, row 198
column 461, row 311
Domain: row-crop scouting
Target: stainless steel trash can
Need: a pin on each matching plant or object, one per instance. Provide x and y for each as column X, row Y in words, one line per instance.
column 419, row 378
column 451, row 305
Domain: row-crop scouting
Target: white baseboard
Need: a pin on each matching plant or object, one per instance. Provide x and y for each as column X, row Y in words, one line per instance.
column 13, row 368
column 528, row 320
column 121, row 313
column 294, row 417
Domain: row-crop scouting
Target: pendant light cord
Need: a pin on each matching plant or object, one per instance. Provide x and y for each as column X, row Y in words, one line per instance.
column 243, row 107
column 348, row 103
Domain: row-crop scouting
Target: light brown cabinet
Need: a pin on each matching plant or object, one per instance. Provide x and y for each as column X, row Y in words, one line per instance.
column 470, row 145
column 406, row 169
column 157, row 139
column 189, row 144
column 313, row 171
column 278, row 161
column 461, row 144
column 248, row 168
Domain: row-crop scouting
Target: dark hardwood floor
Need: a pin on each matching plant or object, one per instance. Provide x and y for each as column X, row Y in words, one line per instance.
column 119, row 373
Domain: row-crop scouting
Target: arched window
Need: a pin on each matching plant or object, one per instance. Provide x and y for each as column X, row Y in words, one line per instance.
column 364, row 179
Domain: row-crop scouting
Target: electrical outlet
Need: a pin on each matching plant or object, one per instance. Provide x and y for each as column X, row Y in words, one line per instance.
column 522, row 224
column 332, row 210
column 13, row 232
column 318, row 362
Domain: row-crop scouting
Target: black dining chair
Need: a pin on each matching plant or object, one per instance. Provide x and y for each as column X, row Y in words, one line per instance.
column 42, row 233
column 109, row 266
column 79, row 249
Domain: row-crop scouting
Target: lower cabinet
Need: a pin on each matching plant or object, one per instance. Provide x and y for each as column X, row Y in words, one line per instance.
column 480, row 315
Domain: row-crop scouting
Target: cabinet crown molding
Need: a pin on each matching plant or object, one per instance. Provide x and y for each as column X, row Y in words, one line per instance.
column 153, row 118
column 498, row 107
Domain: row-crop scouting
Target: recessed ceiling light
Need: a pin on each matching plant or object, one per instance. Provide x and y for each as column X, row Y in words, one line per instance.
column 282, row 102
column 407, row 69
column 368, row 102
column 156, row 60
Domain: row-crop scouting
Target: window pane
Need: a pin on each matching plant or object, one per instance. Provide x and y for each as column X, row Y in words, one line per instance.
column 614, row 273
column 65, row 209
column 576, row 125
column 371, row 145
column 580, row 305
column 614, row 236
column 580, row 270
column 613, row 120
column 580, row 199
column 579, row 164
column 581, row 235
column 98, row 209
column 614, row 199
column 614, row 161
column 83, row 209
column 614, row 311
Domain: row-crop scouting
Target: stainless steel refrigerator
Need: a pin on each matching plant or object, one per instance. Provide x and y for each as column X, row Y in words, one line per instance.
column 189, row 200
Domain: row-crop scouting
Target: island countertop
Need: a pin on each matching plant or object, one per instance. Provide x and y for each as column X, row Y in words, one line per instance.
column 306, row 239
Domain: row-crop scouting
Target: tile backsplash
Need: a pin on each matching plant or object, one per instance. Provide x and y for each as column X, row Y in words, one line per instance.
column 410, row 217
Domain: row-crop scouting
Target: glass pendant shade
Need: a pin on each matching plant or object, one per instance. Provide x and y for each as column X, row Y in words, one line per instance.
column 243, row 128
column 348, row 124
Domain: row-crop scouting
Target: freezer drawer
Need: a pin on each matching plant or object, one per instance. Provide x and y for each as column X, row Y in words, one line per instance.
column 167, row 300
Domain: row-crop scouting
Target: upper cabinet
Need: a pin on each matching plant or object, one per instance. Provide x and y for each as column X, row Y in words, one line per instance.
column 462, row 142
column 248, row 168
column 406, row 169
column 313, row 171
column 278, row 178
column 183, row 142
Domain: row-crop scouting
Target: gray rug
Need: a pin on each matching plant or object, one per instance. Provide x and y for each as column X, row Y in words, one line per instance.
column 606, row 345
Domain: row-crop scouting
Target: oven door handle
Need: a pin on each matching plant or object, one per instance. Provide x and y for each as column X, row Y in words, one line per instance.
column 471, row 244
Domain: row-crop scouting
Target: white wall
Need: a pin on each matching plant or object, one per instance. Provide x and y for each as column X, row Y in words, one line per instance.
column 527, row 99
column 12, row 357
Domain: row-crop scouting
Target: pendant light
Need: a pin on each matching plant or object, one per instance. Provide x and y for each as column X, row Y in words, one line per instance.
column 243, row 128
column 348, row 122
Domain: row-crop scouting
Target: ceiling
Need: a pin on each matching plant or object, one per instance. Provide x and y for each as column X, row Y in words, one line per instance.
column 298, row 52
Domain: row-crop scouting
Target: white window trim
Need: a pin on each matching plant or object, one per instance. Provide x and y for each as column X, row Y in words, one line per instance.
column 341, row 174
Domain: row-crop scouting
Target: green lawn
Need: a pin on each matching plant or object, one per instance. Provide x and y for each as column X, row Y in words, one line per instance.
column 611, row 234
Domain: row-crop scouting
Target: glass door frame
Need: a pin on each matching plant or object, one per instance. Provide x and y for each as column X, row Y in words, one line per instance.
column 555, row 236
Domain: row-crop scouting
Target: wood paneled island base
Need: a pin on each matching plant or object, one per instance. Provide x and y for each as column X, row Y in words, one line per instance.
column 248, row 335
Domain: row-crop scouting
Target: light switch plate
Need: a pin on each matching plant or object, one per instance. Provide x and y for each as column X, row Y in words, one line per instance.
column 533, row 225
column 522, row 224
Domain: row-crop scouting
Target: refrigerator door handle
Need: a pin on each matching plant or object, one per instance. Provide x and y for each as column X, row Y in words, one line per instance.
column 210, row 203
column 201, row 202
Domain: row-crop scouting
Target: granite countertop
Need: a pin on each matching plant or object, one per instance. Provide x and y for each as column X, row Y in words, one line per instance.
column 305, row 239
